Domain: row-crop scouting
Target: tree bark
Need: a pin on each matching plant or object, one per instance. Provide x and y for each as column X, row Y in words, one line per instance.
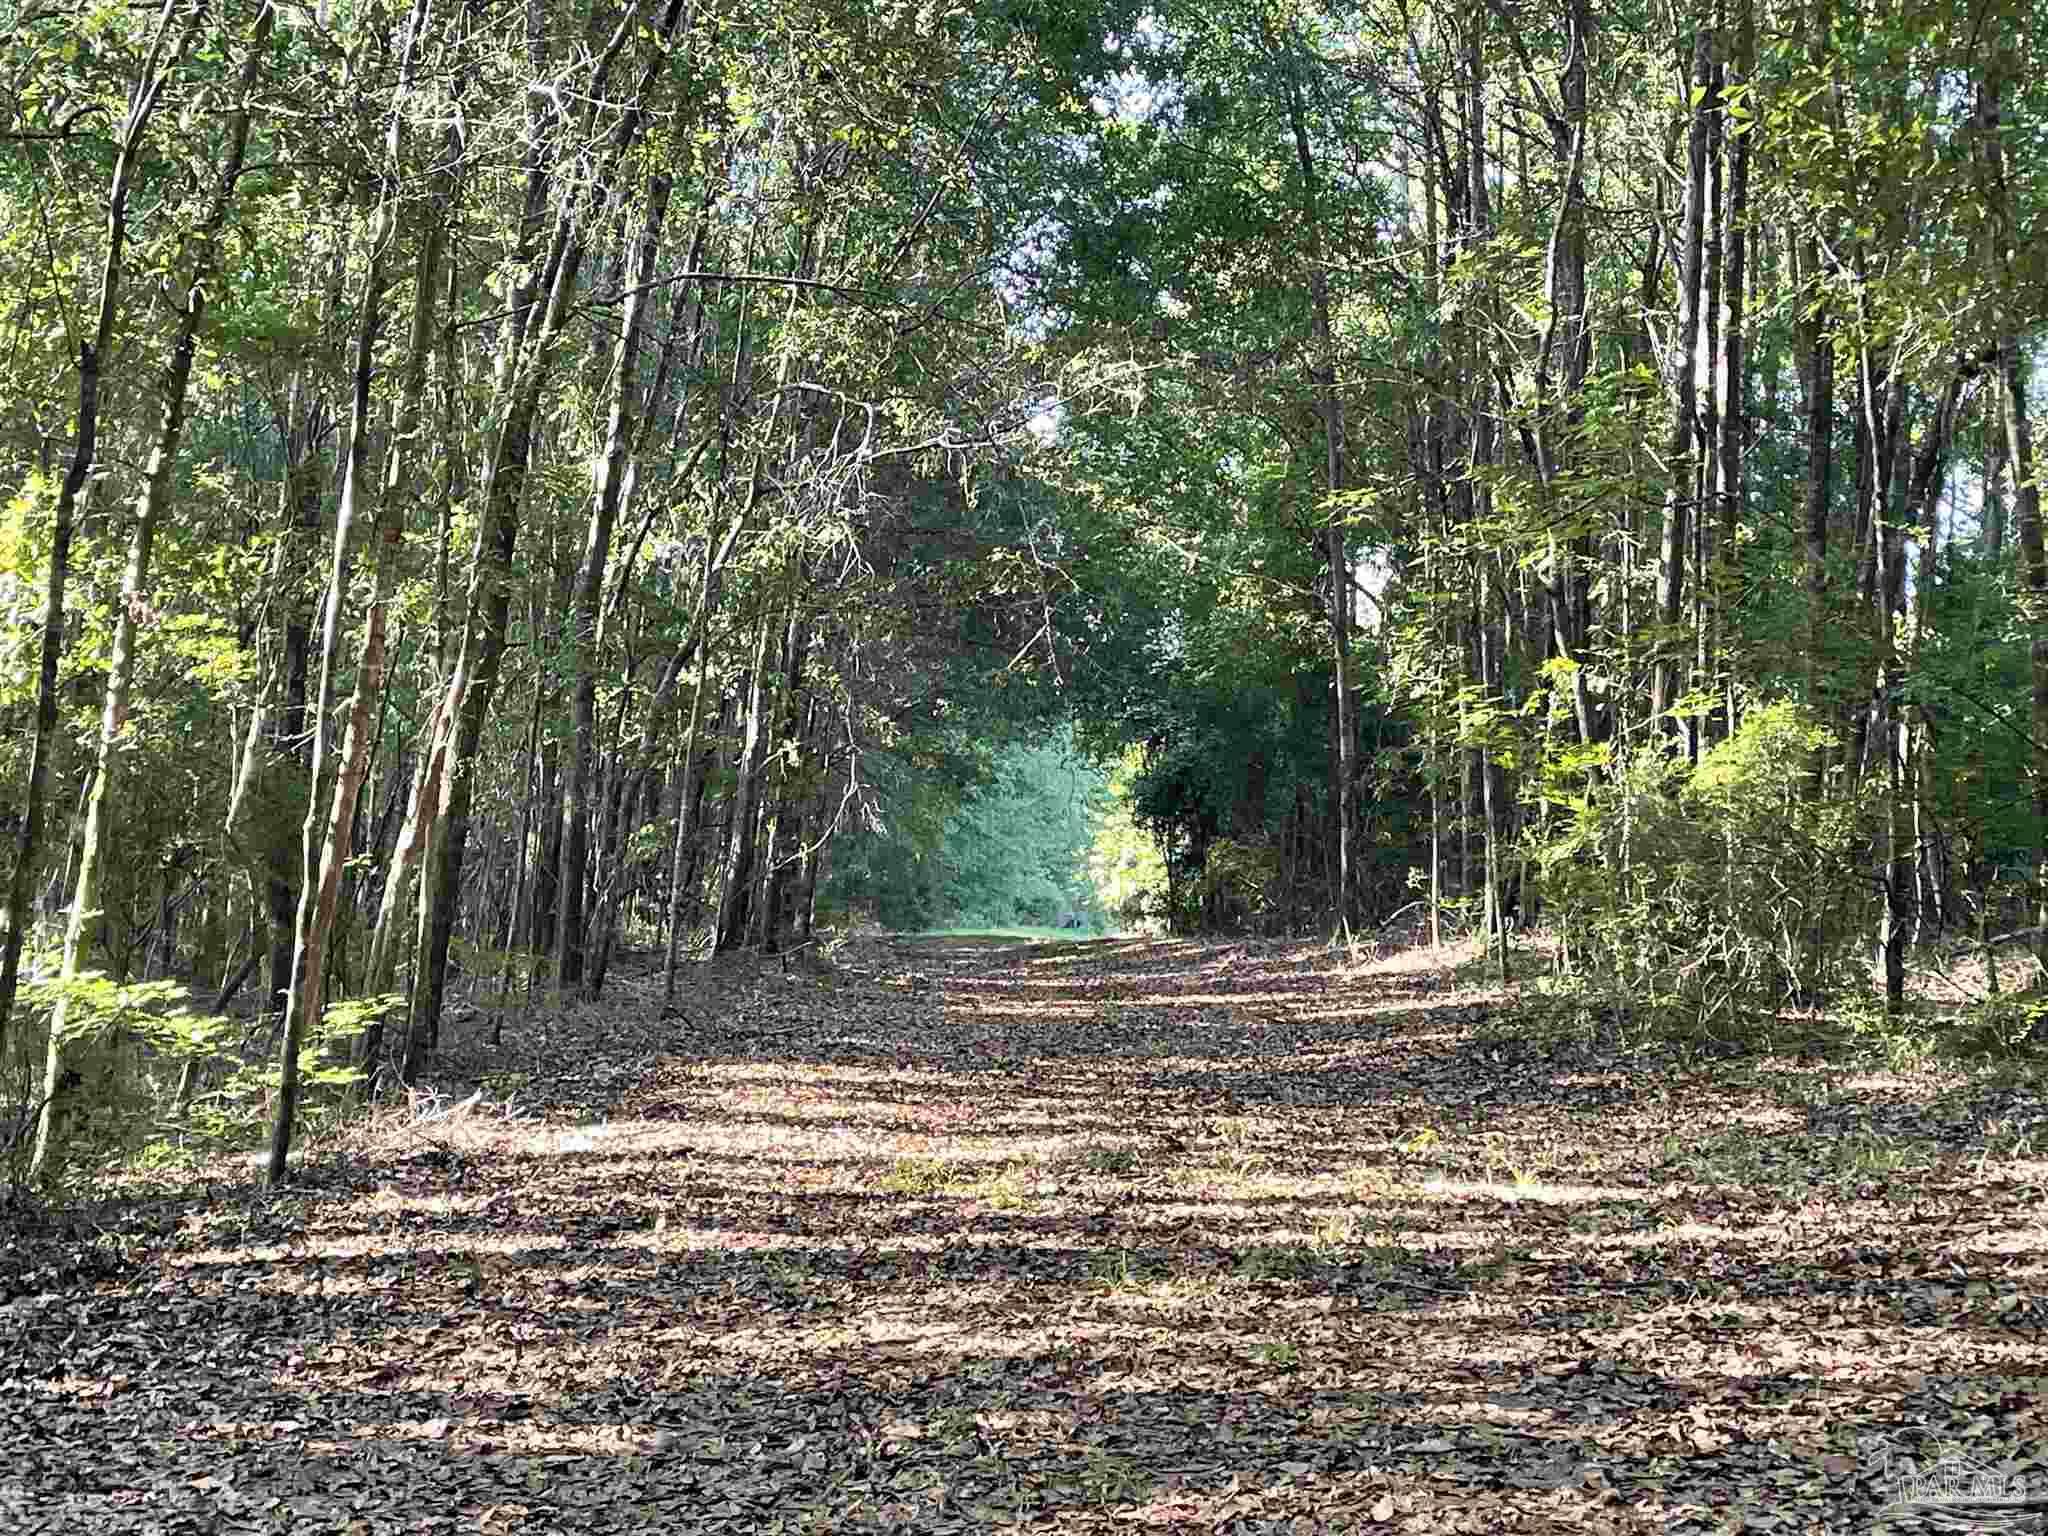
column 1817, row 371
column 685, row 833
column 424, row 800
column 1734, row 362
column 142, row 103
column 325, row 855
column 736, row 896
column 785, row 837
column 257, row 828
column 587, row 628
column 1666, row 680
column 61, row 1085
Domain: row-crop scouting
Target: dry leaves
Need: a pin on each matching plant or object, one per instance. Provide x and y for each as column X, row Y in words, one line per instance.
column 964, row 1235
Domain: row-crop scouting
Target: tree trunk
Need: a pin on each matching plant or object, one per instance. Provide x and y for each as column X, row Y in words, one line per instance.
column 1705, row 525
column 779, row 814
column 1817, row 370
column 274, row 742
column 326, row 853
column 1994, row 515
column 1562, row 366
column 61, row 1084
column 424, row 803
column 142, row 103
column 587, row 631
column 1734, row 363
column 685, row 836
column 736, row 896
column 1683, row 371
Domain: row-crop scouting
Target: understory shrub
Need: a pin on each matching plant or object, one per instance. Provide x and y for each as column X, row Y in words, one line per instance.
column 1236, row 880
column 1718, row 894
column 2001, row 1028
column 158, row 1075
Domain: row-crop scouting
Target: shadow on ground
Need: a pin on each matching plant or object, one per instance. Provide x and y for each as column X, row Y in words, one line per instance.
column 963, row 1234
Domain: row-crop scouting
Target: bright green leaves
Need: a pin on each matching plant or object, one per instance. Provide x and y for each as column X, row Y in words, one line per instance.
column 24, row 531
column 1124, row 862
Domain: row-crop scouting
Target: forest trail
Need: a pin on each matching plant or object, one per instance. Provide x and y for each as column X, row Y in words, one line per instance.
column 958, row 1234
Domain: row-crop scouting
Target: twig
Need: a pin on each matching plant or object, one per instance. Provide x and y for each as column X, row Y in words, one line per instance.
column 2014, row 937
column 24, row 1126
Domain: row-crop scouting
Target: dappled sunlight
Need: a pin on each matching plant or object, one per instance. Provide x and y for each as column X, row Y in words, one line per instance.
column 1129, row 1256
column 1533, row 1189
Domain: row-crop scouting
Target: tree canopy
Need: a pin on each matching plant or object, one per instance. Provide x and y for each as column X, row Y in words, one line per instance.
column 488, row 487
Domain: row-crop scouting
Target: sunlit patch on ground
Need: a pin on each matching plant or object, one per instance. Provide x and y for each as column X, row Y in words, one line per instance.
column 970, row 1233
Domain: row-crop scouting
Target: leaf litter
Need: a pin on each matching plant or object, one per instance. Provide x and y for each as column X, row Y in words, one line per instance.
column 969, row 1234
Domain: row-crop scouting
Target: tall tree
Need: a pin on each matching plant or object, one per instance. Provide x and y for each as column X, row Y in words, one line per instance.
column 166, row 47
column 327, row 841
column 62, row 1084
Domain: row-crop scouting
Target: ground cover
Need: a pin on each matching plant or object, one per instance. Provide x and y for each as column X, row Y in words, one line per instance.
column 965, row 1232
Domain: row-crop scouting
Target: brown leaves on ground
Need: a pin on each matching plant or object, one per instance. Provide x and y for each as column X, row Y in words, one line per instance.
column 968, row 1234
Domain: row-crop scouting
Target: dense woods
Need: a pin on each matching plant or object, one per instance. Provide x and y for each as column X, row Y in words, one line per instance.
column 489, row 486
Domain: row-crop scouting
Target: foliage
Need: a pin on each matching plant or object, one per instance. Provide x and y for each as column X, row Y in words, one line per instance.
column 1008, row 847
column 129, row 1042
column 146, row 1053
column 1727, row 892
column 1238, row 880
column 2003, row 1028
column 1124, row 863
column 1016, row 849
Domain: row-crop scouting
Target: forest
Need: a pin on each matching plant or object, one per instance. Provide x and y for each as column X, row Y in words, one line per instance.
column 548, row 522
column 490, row 487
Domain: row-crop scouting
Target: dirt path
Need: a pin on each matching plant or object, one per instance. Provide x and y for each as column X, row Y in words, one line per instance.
column 1087, row 1236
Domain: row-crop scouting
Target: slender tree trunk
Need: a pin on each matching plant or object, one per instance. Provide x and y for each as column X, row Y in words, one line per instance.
column 1705, row 525
column 1896, row 873
column 1817, row 369
column 737, row 893
column 816, row 834
column 256, row 823
column 416, row 837
column 1994, row 514
column 1684, row 378
column 611, row 475
column 785, row 842
column 142, row 103
column 685, row 833
column 1734, row 362
column 327, row 850
column 516, row 911
column 701, row 827
column 548, row 874
column 288, row 746
column 422, row 815
column 424, row 801
column 61, row 1084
